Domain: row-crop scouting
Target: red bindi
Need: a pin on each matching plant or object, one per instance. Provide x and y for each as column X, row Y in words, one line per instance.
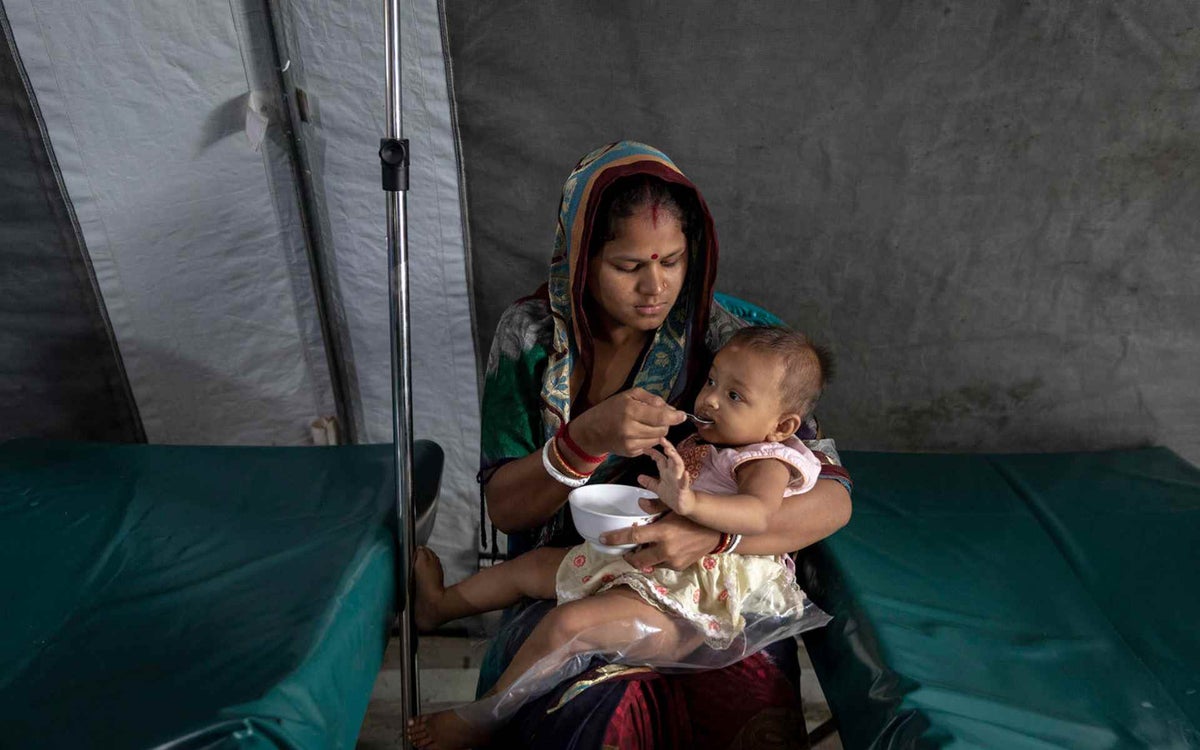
column 654, row 256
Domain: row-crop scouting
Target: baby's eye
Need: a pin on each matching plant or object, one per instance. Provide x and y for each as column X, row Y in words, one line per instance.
column 735, row 396
column 709, row 381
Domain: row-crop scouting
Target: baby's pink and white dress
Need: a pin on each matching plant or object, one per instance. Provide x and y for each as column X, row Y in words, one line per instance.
column 713, row 593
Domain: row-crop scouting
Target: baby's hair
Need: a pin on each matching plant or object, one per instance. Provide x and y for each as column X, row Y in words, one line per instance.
column 629, row 195
column 807, row 367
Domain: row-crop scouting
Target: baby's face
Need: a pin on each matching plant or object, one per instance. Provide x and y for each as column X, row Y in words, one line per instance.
column 741, row 396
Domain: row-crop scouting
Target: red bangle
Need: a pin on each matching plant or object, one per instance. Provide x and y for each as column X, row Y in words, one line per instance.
column 565, row 465
column 565, row 434
column 722, row 545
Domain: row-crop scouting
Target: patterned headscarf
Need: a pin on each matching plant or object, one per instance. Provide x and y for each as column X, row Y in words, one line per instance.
column 542, row 338
column 684, row 329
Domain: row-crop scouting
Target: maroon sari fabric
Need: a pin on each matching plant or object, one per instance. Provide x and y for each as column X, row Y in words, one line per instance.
column 750, row 704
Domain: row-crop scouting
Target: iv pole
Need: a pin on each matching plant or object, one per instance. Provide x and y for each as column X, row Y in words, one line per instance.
column 394, row 158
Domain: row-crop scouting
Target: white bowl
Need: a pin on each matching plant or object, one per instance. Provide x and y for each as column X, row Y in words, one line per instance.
column 597, row 508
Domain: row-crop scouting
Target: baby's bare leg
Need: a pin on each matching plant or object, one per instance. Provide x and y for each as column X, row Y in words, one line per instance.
column 530, row 575
column 603, row 622
column 598, row 623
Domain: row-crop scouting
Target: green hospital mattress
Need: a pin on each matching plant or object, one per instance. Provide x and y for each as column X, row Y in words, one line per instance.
column 191, row 597
column 1013, row 601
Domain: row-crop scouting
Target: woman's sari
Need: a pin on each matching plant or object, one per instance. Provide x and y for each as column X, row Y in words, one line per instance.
column 527, row 395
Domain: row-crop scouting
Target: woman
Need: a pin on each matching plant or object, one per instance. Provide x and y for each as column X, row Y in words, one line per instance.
column 623, row 331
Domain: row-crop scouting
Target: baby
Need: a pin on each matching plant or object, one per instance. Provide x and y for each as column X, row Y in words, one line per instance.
column 731, row 476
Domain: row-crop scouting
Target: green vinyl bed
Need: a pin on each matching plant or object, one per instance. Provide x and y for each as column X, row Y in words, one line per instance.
column 192, row 597
column 1013, row 601
column 189, row 597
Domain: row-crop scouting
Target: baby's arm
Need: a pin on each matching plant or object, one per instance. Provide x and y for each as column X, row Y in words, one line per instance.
column 761, row 485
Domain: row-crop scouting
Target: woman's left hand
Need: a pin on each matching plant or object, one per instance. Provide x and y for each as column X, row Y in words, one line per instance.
column 672, row 541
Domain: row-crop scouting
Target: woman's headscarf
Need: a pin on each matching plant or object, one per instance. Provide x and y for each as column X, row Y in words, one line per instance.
column 541, row 339
column 683, row 331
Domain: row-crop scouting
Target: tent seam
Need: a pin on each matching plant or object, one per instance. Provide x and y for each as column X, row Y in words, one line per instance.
column 461, row 174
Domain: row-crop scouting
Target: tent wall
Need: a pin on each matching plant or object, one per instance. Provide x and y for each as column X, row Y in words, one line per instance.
column 221, row 157
column 60, row 372
column 337, row 59
column 987, row 210
column 197, row 246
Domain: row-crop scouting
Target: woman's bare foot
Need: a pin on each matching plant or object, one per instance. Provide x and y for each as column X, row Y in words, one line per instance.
column 429, row 587
column 444, row 730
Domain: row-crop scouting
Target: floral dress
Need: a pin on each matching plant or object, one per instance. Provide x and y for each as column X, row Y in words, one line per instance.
column 715, row 592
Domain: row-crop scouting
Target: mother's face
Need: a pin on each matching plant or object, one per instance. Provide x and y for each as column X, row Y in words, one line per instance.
column 637, row 276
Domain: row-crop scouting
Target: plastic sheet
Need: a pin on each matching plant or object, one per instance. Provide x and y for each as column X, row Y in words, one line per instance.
column 666, row 644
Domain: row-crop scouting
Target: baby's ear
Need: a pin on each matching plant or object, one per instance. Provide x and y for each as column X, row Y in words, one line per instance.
column 787, row 426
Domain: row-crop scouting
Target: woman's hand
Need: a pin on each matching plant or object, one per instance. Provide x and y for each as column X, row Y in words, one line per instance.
column 676, row 542
column 626, row 423
column 672, row 541
column 520, row 495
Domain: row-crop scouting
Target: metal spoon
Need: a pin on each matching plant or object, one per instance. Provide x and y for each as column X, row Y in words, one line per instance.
column 698, row 420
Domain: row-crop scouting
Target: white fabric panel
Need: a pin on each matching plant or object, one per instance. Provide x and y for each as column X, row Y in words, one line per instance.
column 337, row 53
column 202, row 270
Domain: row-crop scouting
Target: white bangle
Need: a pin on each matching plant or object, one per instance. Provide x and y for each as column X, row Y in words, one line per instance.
column 737, row 539
column 553, row 471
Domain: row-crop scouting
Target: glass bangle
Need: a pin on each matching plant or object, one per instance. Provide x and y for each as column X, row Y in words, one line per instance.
column 557, row 475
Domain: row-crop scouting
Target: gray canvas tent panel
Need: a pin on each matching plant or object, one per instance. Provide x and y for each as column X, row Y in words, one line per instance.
column 988, row 210
column 201, row 268
column 215, row 208
column 170, row 78
column 337, row 58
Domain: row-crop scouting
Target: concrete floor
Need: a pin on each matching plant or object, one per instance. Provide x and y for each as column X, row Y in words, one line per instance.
column 450, row 666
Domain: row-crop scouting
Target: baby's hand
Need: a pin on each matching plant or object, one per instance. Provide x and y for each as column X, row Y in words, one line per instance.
column 674, row 484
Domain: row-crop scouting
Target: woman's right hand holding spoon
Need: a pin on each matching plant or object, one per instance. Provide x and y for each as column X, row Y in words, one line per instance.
column 627, row 423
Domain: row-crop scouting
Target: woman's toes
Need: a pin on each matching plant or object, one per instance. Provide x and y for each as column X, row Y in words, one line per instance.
column 446, row 730
column 418, row 733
